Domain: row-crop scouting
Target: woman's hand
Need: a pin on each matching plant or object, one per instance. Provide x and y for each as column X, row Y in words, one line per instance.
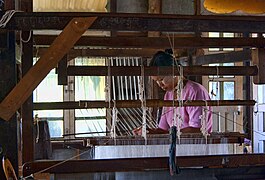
column 138, row 131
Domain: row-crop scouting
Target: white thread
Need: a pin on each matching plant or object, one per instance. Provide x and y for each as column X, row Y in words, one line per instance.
column 6, row 18
column 143, row 103
column 178, row 120
column 204, row 118
column 114, row 120
column 107, row 88
column 25, row 41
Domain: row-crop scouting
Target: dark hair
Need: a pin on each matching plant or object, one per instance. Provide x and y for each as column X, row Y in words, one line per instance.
column 162, row 58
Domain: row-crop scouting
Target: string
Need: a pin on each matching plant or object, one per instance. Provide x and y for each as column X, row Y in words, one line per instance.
column 6, row 18
column 62, row 162
column 179, row 88
column 177, row 122
column 217, row 91
column 114, row 119
column 143, row 103
column 204, row 118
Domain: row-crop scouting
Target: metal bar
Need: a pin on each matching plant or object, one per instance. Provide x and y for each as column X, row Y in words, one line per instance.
column 137, row 104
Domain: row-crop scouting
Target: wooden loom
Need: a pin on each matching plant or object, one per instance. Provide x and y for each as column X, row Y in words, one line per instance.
column 149, row 163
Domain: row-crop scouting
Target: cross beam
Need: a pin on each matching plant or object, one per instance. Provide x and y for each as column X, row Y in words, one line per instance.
column 140, row 22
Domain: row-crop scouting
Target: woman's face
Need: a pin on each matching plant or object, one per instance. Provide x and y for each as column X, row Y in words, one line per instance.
column 167, row 83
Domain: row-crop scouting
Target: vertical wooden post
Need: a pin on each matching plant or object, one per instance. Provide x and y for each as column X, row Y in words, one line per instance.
column 62, row 71
column 27, row 145
column 258, row 58
column 155, row 7
column 8, row 130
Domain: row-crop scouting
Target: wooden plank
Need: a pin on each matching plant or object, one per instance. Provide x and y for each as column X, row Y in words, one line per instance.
column 135, row 104
column 143, row 164
column 61, row 45
column 153, row 139
column 8, row 130
column 235, row 56
column 224, row 57
column 258, row 58
column 140, row 22
column 27, row 107
column 118, row 52
column 3, row 40
column 62, row 71
column 154, row 8
column 162, row 71
column 159, row 42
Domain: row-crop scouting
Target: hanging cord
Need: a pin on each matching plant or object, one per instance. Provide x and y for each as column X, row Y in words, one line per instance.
column 177, row 118
column 177, row 122
column 204, row 118
column 62, row 162
column 36, row 120
column 173, row 167
column 143, row 103
column 114, row 120
column 6, row 18
column 108, row 86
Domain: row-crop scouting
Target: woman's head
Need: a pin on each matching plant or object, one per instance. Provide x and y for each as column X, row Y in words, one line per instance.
column 162, row 58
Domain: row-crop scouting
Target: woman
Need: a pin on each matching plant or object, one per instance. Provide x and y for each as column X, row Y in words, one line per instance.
column 191, row 115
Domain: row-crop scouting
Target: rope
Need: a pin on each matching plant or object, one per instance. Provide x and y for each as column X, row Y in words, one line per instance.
column 204, row 118
column 143, row 103
column 178, row 120
column 6, row 18
column 114, row 119
column 174, row 169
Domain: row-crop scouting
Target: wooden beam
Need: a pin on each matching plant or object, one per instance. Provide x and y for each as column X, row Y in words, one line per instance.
column 27, row 107
column 140, row 22
column 223, row 57
column 62, row 71
column 8, row 130
column 3, row 40
column 158, row 42
column 136, row 103
column 234, row 56
column 258, row 58
column 152, row 71
column 154, row 8
column 61, row 45
column 119, row 52
column 156, row 139
column 143, row 164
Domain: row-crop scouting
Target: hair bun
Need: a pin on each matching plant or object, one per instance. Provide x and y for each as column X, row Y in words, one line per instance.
column 169, row 51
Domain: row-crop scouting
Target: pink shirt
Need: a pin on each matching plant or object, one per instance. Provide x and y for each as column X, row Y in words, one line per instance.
column 189, row 114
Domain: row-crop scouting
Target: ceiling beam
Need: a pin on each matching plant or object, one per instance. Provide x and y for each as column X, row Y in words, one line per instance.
column 158, row 42
column 140, row 22
column 223, row 57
